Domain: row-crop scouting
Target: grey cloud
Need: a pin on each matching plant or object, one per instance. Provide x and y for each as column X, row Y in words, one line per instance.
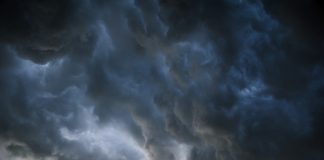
column 159, row 80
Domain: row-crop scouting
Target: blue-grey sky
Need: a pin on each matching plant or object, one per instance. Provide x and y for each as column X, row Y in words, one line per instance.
column 161, row 80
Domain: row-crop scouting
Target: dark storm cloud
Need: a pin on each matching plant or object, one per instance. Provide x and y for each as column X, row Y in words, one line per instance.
column 161, row 80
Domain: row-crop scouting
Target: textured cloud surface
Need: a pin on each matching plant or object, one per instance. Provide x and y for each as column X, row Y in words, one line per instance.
column 161, row 80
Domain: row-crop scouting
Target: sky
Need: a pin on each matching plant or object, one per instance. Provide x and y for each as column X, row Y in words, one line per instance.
column 161, row 80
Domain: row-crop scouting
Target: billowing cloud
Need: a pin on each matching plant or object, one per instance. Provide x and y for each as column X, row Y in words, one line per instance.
column 161, row 80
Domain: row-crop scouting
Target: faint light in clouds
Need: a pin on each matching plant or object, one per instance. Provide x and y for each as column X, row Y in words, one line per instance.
column 112, row 139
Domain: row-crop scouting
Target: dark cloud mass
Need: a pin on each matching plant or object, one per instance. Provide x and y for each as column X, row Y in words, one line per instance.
column 161, row 80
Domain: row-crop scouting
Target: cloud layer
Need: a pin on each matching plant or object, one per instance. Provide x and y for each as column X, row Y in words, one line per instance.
column 161, row 80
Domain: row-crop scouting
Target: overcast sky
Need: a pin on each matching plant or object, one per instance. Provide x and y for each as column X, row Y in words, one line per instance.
column 161, row 80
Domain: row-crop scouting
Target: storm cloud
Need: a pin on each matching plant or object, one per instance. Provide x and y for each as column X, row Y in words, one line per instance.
column 161, row 80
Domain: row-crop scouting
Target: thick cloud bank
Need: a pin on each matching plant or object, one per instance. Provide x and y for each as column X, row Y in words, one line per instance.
column 161, row 80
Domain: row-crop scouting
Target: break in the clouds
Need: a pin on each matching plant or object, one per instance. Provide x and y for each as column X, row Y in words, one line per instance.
column 161, row 80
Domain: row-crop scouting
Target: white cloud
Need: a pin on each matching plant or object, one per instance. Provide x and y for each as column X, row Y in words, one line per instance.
column 110, row 140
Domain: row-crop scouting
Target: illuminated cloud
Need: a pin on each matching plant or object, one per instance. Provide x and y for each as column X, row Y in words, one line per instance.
column 161, row 80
